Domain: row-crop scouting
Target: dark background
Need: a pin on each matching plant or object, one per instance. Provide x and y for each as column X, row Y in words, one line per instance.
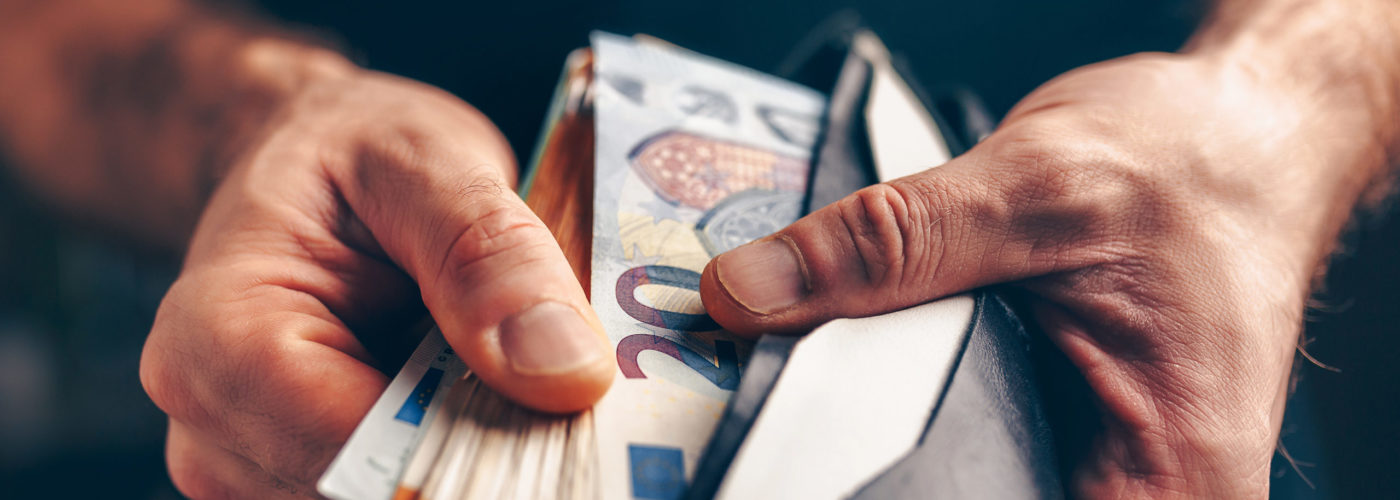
column 75, row 305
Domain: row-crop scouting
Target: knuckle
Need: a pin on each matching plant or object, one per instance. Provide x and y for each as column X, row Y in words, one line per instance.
column 255, row 389
column 1042, row 170
column 481, row 242
column 1075, row 201
column 404, row 144
column 154, row 374
column 296, row 428
column 487, row 183
column 390, row 152
column 1057, row 203
column 161, row 370
column 281, row 403
column 418, row 159
column 247, row 373
column 284, row 422
column 932, row 226
column 191, row 477
column 877, row 221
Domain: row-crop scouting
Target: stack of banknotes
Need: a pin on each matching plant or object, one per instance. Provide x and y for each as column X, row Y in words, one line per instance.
column 653, row 161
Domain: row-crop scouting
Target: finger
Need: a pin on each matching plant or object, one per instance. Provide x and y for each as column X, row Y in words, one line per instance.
column 266, row 372
column 491, row 273
column 972, row 222
column 252, row 347
column 203, row 470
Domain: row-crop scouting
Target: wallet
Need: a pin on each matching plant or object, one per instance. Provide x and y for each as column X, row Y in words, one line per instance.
column 988, row 435
column 976, row 428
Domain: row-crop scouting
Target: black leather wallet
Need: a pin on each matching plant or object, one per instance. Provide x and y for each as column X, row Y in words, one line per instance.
column 988, row 435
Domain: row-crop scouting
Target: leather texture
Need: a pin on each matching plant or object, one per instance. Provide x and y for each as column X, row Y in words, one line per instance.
column 989, row 437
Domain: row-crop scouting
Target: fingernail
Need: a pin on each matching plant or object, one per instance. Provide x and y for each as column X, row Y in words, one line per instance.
column 549, row 339
column 764, row 277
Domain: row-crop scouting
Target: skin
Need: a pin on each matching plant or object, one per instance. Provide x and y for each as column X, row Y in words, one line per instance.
column 1164, row 215
column 349, row 201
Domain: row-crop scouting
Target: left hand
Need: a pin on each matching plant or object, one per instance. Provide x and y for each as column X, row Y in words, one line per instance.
column 368, row 192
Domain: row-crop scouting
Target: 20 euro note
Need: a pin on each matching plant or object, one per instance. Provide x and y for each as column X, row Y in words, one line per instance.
column 694, row 156
column 370, row 463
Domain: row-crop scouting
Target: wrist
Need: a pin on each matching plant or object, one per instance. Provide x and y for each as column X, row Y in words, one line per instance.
column 1337, row 61
column 1328, row 73
column 164, row 93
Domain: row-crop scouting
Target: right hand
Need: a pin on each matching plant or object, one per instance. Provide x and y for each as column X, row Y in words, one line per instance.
column 1160, row 215
column 366, row 191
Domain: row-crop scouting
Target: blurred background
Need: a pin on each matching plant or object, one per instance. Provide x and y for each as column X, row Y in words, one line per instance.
column 76, row 305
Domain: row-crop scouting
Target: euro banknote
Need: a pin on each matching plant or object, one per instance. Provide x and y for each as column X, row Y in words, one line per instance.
column 694, row 156
column 370, row 463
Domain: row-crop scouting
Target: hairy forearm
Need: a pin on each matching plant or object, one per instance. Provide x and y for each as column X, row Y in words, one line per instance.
column 126, row 113
column 1340, row 56
column 1332, row 69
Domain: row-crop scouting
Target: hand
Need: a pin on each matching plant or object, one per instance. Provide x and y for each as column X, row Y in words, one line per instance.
column 367, row 191
column 1163, row 214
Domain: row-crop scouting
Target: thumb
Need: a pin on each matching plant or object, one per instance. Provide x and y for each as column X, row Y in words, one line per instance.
column 894, row 245
column 491, row 273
